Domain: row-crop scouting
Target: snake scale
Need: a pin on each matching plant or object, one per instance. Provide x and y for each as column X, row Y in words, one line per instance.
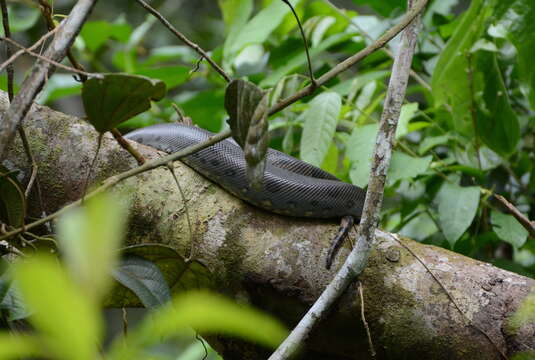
column 290, row 186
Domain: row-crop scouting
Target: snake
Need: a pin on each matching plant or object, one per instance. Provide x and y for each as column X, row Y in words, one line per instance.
column 290, row 186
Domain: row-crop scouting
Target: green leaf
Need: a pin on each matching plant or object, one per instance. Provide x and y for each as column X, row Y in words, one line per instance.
column 206, row 109
column 97, row 33
column 496, row 122
column 300, row 59
column 457, row 207
column 206, row 313
column 12, row 199
column 241, row 100
column 21, row 18
column 451, row 81
column 403, row 166
column 177, row 273
column 516, row 16
column 320, row 124
column 359, row 151
column 19, row 346
column 235, row 15
column 116, row 98
column 13, row 304
column 508, row 229
column 431, row 141
column 89, row 238
column 144, row 279
column 383, row 7
column 258, row 29
column 67, row 319
column 408, row 111
column 172, row 76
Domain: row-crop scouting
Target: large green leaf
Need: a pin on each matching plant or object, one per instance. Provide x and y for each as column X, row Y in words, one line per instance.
column 235, row 15
column 115, row 98
column 206, row 313
column 319, row 127
column 457, row 207
column 68, row 320
column 89, row 239
column 516, row 16
column 508, row 229
column 258, row 29
column 451, row 78
column 403, row 166
column 359, row 151
column 496, row 122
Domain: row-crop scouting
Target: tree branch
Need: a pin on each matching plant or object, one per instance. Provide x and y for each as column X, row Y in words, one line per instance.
column 67, row 32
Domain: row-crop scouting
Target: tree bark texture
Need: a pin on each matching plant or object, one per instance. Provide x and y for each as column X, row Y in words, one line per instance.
column 276, row 263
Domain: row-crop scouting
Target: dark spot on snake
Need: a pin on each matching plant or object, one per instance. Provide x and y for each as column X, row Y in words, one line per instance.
column 158, row 138
column 202, row 160
column 350, row 203
column 139, row 139
column 214, row 162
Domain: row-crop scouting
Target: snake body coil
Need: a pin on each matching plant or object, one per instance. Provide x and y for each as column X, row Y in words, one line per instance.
column 290, row 186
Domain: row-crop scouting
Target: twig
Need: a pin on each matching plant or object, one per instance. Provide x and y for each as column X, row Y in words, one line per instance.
column 357, row 259
column 522, row 219
column 20, row 52
column 7, row 33
column 184, row 39
column 48, row 14
column 347, row 63
column 309, row 61
column 32, row 85
column 126, row 145
column 387, row 51
column 190, row 228
column 85, row 74
column 114, row 180
column 363, row 317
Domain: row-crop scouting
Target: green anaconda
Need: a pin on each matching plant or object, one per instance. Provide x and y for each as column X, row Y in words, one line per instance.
column 290, row 186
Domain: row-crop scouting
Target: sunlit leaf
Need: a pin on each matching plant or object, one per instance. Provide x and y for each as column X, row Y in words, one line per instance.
column 320, row 121
column 68, row 321
column 206, row 313
column 403, row 166
column 496, row 122
column 89, row 237
column 457, row 207
column 19, row 346
column 359, row 150
column 451, row 78
column 508, row 229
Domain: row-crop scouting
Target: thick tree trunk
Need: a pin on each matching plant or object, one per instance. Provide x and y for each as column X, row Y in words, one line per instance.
column 277, row 263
